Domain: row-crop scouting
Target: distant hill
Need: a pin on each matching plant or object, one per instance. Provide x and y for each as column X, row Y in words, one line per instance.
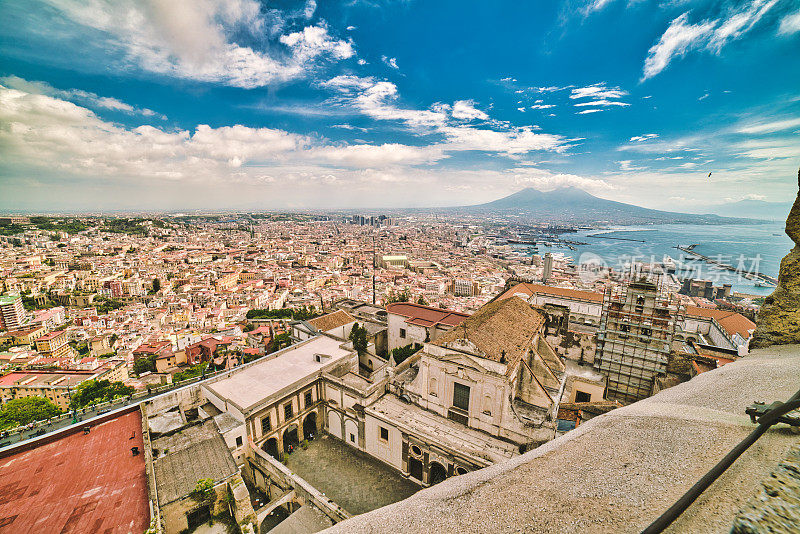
column 573, row 205
column 756, row 209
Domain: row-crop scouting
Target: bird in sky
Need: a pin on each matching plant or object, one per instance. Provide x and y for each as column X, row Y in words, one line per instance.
column 709, row 175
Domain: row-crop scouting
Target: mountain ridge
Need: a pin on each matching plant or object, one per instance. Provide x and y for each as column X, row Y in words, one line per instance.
column 575, row 205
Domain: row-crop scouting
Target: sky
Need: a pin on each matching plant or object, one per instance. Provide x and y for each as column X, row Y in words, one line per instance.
column 240, row 104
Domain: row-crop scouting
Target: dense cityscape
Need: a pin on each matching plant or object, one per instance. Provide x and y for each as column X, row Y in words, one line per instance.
column 374, row 266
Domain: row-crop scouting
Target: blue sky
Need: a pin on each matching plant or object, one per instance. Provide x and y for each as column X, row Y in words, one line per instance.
column 240, row 104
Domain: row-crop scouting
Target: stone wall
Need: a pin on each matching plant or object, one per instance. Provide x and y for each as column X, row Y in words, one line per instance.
column 779, row 318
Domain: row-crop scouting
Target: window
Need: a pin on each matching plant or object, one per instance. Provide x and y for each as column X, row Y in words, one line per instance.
column 403, row 333
column 287, row 411
column 384, row 434
column 238, row 441
column 461, row 396
column 352, row 438
column 308, row 399
column 487, row 405
column 582, row 396
column 266, row 426
column 433, row 388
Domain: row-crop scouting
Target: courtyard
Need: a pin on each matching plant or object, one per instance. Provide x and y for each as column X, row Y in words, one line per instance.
column 353, row 479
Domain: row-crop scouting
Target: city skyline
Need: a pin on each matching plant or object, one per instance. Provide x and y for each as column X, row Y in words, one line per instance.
column 244, row 105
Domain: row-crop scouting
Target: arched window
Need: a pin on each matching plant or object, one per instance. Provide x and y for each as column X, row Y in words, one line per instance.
column 433, row 388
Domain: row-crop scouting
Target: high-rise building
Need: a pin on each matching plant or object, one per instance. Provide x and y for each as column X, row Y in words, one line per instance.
column 12, row 313
column 634, row 341
column 548, row 267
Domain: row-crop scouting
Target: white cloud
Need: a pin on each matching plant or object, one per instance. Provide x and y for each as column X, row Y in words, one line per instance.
column 754, row 196
column 76, row 95
column 769, row 127
column 465, row 110
column 645, row 137
column 390, row 62
column 42, row 131
column 596, row 5
column 739, row 23
column 314, row 41
column 514, row 141
column 199, row 39
column 377, row 99
column 790, row 24
column 602, row 102
column 679, row 38
column 587, row 111
column 682, row 37
column 543, row 106
column 598, row 91
column 380, row 155
column 310, row 8
column 546, row 181
column 627, row 166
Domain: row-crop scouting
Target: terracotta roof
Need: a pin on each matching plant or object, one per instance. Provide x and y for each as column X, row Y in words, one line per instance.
column 539, row 289
column 732, row 322
column 332, row 320
column 503, row 327
column 425, row 315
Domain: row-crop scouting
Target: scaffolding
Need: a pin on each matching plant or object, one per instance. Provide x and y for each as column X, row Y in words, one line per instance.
column 634, row 341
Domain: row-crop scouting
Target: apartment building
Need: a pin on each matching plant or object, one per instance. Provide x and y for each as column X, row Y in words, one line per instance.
column 410, row 323
column 53, row 345
column 12, row 313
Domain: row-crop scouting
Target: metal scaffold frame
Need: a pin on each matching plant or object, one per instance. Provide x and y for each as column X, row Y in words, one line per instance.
column 637, row 326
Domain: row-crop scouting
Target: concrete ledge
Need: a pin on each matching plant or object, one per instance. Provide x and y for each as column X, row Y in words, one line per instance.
column 618, row 472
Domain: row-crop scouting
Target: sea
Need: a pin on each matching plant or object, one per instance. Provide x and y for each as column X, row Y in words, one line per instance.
column 755, row 248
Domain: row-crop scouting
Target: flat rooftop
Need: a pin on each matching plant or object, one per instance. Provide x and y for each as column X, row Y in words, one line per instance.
column 251, row 385
column 352, row 479
column 618, row 472
column 438, row 429
column 32, row 379
column 79, row 483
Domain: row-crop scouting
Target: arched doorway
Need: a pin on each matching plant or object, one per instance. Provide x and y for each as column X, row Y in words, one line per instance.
column 310, row 426
column 335, row 423
column 437, row 473
column 290, row 439
column 271, row 447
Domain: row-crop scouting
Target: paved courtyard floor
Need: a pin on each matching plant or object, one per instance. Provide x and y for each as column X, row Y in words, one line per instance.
column 354, row 480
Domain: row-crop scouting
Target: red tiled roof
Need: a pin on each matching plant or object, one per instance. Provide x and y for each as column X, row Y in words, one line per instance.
column 78, row 483
column 425, row 315
column 539, row 289
column 331, row 320
column 732, row 322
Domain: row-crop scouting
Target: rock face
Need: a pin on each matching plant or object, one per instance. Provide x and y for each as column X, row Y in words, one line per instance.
column 779, row 318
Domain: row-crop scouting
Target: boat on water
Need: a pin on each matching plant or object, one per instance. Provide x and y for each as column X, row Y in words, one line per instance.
column 763, row 283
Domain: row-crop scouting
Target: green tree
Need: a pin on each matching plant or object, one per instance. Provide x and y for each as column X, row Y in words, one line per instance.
column 26, row 410
column 97, row 391
column 403, row 296
column 279, row 342
column 144, row 365
column 421, row 300
column 358, row 335
column 156, row 285
column 203, row 493
column 191, row 372
column 401, row 354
